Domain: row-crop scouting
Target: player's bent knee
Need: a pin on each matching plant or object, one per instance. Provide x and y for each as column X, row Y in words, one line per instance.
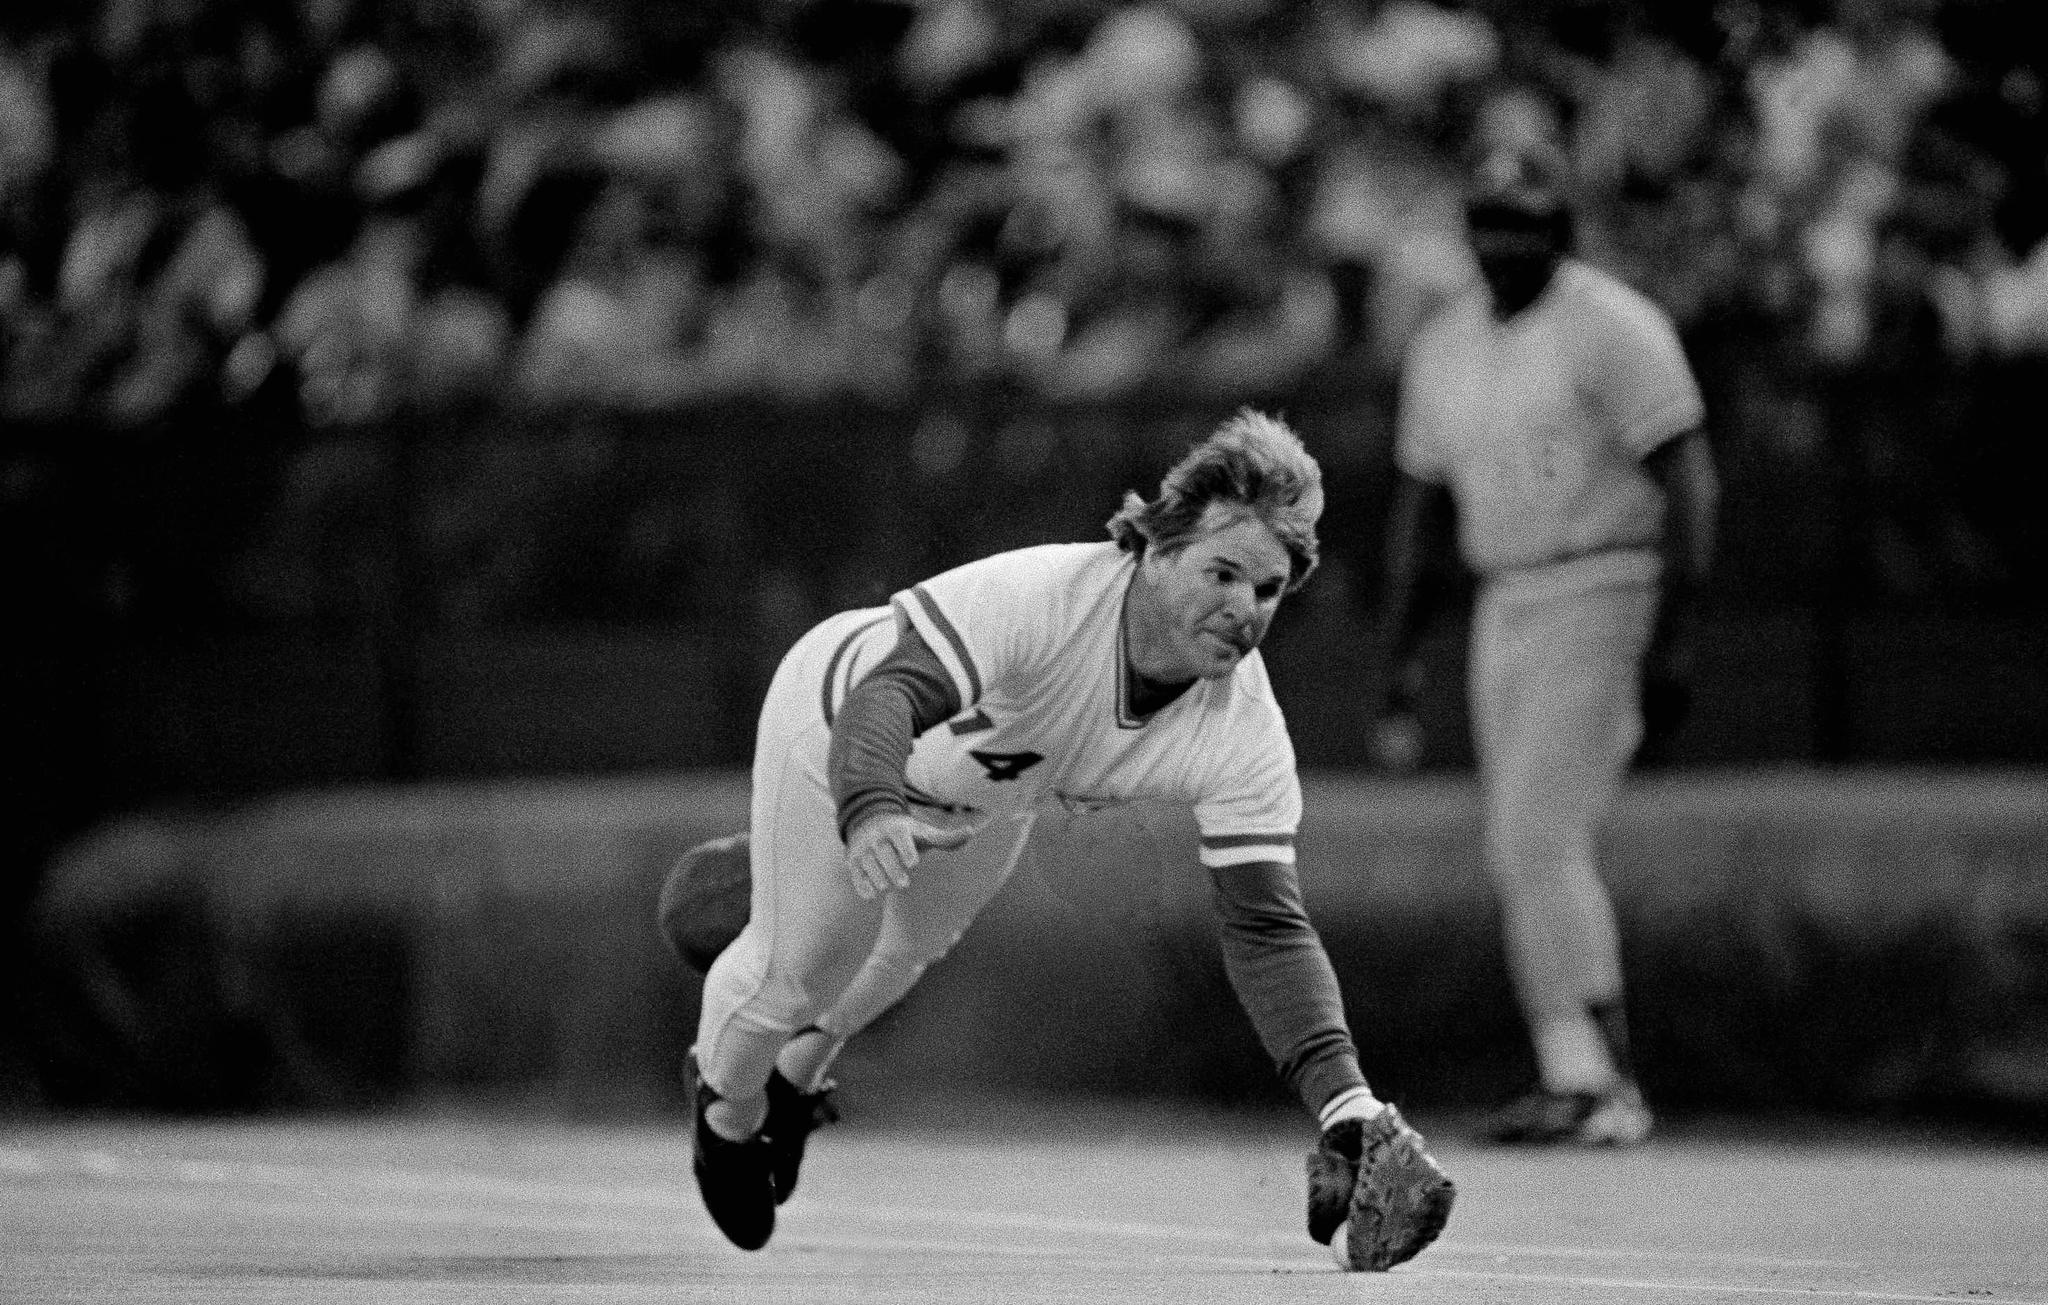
column 793, row 1001
column 898, row 969
column 761, row 998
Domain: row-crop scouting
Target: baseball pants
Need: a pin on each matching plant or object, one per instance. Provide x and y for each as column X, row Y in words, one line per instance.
column 813, row 954
column 1556, row 657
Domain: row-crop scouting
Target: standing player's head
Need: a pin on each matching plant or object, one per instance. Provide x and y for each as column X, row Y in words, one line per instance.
column 1232, row 530
column 1518, row 216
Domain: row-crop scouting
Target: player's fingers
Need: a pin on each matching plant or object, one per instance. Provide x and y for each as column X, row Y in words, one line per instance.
column 869, row 877
column 863, row 885
column 899, row 854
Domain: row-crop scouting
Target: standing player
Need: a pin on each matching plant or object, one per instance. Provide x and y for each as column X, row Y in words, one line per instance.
column 1552, row 408
column 902, row 752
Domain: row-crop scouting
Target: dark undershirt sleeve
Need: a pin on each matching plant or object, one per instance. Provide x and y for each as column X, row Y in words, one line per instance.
column 1282, row 975
column 905, row 695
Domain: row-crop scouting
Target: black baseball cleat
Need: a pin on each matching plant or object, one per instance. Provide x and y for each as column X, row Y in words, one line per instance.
column 793, row 1115
column 1614, row 1117
column 735, row 1179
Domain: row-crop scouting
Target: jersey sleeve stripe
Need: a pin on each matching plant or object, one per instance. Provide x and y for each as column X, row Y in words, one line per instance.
column 1674, row 418
column 829, row 699
column 1277, row 850
column 1221, row 841
column 948, row 644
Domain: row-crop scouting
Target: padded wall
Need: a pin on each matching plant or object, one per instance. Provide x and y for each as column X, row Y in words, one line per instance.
column 1793, row 938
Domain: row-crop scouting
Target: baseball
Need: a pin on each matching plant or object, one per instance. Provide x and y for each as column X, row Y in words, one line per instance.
column 1340, row 1246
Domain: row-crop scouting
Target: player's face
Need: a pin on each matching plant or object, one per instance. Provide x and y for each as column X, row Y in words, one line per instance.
column 1210, row 600
column 1517, row 221
column 1517, row 249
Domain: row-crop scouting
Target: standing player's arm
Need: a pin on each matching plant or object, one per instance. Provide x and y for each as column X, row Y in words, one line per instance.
column 1683, row 467
column 1418, row 515
column 906, row 694
column 1284, row 980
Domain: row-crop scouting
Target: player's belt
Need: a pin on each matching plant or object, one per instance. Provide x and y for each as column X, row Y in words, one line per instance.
column 1581, row 554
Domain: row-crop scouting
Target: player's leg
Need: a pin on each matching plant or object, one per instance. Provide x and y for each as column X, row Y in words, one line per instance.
column 806, row 930
column 1556, row 716
column 805, row 939
column 920, row 925
column 806, row 936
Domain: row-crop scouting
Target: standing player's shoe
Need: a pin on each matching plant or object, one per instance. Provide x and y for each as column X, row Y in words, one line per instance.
column 734, row 1178
column 793, row 1115
column 1376, row 1196
column 1614, row 1117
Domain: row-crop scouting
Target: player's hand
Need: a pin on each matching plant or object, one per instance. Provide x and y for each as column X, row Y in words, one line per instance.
column 1397, row 742
column 882, row 848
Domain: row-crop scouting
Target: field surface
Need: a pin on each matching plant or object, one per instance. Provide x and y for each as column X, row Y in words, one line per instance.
column 1025, row 1203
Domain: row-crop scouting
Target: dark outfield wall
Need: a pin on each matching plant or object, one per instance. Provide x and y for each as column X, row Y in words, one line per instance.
column 1794, row 938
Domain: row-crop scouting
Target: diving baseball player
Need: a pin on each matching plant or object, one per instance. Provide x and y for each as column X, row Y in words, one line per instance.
column 902, row 754
column 1553, row 408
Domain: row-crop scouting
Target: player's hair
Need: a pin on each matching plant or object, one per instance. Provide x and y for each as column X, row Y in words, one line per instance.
column 1253, row 464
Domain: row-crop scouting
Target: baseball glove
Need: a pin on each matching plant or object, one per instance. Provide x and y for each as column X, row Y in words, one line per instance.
column 1374, row 1184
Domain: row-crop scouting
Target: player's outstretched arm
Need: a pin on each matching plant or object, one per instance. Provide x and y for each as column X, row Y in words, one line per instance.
column 1283, row 979
column 1376, row 1196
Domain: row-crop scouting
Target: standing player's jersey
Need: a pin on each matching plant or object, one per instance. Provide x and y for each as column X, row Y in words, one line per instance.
column 1539, row 424
column 1033, row 643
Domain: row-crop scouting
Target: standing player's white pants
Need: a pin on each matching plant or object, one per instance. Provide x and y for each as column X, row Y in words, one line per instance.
column 1556, row 657
column 813, row 954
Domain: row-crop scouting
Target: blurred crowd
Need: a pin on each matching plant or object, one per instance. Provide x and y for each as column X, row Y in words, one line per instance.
column 374, row 204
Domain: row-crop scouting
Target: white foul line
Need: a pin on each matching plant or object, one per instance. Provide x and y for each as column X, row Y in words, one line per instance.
column 1807, row 1293
column 104, row 1165
column 979, row 1219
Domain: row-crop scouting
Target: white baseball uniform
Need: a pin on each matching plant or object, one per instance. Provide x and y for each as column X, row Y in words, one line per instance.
column 1539, row 425
column 1032, row 643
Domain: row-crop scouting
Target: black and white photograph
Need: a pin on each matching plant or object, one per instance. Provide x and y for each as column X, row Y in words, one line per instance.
column 880, row 652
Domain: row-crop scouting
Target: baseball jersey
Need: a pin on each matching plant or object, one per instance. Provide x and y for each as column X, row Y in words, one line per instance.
column 1032, row 641
column 1539, row 424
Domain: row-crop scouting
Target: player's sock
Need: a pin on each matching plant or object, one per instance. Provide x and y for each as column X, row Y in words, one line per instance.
column 737, row 1119
column 1613, row 1025
column 1352, row 1103
column 1571, row 1055
column 806, row 1057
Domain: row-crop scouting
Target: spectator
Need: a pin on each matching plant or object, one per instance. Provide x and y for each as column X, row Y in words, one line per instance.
column 869, row 196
